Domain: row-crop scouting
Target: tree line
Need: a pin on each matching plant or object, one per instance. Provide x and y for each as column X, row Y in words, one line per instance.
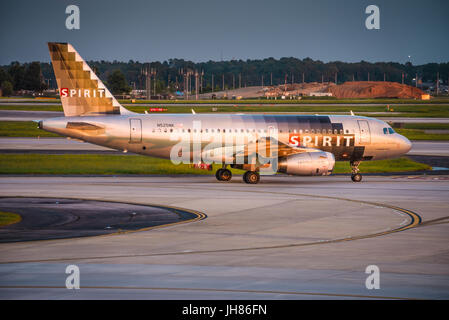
column 171, row 75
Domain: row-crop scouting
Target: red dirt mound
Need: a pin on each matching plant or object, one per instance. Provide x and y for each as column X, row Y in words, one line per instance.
column 375, row 89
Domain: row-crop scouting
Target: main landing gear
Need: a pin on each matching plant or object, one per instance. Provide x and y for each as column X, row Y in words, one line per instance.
column 356, row 176
column 251, row 177
column 223, row 174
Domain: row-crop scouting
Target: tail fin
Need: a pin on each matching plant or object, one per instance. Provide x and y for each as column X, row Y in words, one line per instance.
column 82, row 92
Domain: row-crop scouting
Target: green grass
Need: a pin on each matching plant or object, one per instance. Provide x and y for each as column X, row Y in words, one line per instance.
column 7, row 218
column 417, row 110
column 22, row 129
column 134, row 164
column 92, row 164
column 380, row 166
column 305, row 100
column 320, row 100
column 426, row 126
column 36, row 107
column 415, row 134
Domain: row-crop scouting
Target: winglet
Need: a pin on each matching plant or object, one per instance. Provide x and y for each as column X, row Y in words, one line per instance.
column 352, row 113
column 193, row 111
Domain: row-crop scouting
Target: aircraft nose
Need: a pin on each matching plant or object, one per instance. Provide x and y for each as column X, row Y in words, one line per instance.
column 404, row 145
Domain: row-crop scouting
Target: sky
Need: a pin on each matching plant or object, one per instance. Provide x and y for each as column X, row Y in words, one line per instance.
column 202, row 30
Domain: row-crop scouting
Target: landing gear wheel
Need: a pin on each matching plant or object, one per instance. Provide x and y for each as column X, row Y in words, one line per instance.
column 223, row 175
column 251, row 177
column 226, row 175
column 356, row 177
column 218, row 174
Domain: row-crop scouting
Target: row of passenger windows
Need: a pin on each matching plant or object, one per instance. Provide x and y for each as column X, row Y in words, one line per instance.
column 324, row 131
column 388, row 131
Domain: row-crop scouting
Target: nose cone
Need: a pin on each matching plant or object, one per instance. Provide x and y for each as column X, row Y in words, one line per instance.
column 404, row 144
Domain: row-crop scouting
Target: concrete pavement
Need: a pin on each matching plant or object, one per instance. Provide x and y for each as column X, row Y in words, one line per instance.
column 288, row 237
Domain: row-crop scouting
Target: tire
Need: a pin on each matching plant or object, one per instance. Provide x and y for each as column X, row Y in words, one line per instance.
column 226, row 175
column 218, row 174
column 356, row 177
column 251, row 177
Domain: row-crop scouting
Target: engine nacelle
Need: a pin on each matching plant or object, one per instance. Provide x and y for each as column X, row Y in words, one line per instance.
column 318, row 163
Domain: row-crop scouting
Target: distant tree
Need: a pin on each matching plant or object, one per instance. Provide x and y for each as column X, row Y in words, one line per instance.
column 4, row 76
column 7, row 89
column 117, row 83
column 33, row 79
column 17, row 74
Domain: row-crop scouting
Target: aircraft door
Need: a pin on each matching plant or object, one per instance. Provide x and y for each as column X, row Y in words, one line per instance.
column 365, row 135
column 135, row 127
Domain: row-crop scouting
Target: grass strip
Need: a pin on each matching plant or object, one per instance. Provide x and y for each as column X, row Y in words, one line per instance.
column 135, row 164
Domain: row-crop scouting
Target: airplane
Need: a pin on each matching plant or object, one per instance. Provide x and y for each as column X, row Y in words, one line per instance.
column 303, row 145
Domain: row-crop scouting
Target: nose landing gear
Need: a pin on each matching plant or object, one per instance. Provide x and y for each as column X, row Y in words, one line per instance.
column 356, row 176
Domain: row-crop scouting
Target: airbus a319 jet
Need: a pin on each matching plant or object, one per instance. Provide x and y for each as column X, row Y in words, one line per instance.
column 304, row 145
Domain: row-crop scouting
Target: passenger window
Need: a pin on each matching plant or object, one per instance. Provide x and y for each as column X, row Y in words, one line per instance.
column 313, row 130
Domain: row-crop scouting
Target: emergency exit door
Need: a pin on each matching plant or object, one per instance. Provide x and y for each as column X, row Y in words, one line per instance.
column 365, row 136
column 135, row 127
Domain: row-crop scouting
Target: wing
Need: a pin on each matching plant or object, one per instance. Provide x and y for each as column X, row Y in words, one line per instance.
column 264, row 147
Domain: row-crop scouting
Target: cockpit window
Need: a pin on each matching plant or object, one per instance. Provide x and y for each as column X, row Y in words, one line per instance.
column 388, row 131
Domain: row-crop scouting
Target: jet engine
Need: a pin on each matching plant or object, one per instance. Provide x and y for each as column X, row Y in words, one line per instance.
column 317, row 163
